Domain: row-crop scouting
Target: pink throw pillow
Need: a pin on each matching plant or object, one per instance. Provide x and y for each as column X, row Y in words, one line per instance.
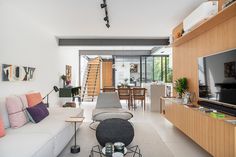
column 16, row 112
column 24, row 100
column 2, row 129
column 33, row 99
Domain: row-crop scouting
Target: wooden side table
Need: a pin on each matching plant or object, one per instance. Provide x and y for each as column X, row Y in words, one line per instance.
column 76, row 148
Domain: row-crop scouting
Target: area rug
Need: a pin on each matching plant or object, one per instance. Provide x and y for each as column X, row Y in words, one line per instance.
column 146, row 137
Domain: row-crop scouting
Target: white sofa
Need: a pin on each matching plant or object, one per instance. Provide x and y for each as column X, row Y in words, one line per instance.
column 44, row 139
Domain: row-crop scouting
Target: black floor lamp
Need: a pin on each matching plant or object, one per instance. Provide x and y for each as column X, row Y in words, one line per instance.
column 55, row 88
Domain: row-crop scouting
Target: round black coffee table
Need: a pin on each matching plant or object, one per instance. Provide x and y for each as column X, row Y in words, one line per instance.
column 115, row 130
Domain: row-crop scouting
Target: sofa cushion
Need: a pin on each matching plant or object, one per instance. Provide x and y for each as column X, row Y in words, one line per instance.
column 16, row 113
column 24, row 100
column 33, row 99
column 2, row 128
column 38, row 112
column 3, row 112
column 53, row 123
column 25, row 104
column 25, row 145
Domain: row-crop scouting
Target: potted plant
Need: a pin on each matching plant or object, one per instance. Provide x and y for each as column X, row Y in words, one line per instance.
column 181, row 86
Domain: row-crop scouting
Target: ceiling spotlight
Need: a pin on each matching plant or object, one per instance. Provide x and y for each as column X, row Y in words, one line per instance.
column 108, row 25
column 106, row 18
column 103, row 5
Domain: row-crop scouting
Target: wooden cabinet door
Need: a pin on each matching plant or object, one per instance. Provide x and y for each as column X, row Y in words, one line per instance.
column 169, row 112
column 201, row 129
column 107, row 74
column 190, row 123
column 229, row 140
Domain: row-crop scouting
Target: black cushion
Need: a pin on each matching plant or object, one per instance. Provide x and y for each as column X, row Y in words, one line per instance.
column 115, row 130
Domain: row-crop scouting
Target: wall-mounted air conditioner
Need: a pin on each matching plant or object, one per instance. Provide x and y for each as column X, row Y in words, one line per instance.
column 199, row 15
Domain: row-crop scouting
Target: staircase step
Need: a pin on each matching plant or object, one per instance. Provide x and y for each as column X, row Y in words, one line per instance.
column 94, row 63
column 93, row 71
column 90, row 86
column 90, row 95
column 90, row 83
column 90, row 92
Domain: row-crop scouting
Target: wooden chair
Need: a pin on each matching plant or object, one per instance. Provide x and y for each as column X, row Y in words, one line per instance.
column 140, row 94
column 109, row 89
column 125, row 94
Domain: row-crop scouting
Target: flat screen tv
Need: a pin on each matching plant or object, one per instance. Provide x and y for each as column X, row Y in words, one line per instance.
column 217, row 78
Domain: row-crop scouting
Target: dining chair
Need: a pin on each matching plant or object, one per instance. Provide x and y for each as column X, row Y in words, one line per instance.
column 125, row 94
column 109, row 89
column 140, row 94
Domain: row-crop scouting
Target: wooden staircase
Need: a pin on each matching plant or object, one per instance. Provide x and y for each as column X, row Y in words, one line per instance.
column 91, row 80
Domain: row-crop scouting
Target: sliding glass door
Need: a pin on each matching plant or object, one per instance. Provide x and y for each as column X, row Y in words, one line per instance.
column 147, row 69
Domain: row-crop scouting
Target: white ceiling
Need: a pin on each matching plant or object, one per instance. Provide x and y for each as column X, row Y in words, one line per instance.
column 128, row 18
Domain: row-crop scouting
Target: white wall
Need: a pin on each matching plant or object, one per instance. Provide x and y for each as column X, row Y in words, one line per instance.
column 122, row 72
column 83, row 65
column 24, row 42
column 69, row 56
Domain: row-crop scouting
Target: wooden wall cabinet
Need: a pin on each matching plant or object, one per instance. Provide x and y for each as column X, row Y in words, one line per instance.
column 214, row 135
column 214, row 36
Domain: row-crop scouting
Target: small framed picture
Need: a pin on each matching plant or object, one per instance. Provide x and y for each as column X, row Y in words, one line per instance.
column 186, row 99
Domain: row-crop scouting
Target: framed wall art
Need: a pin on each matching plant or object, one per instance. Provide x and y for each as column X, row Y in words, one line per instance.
column 17, row 73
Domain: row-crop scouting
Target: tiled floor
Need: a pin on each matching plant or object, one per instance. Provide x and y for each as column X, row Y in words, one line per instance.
column 178, row 143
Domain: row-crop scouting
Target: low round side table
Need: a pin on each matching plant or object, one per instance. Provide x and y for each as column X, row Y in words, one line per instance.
column 76, row 148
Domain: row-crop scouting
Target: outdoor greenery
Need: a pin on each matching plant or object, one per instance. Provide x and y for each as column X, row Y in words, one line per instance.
column 162, row 69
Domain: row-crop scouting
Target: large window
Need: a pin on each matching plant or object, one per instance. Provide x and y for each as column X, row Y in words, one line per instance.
column 129, row 69
column 162, row 69
column 156, row 68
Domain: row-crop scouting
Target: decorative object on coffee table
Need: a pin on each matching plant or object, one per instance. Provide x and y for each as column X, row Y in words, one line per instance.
column 119, row 147
column 76, row 148
column 128, row 151
column 108, row 149
column 113, row 130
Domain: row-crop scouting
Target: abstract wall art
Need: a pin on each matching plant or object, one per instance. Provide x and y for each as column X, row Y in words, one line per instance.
column 230, row 69
column 17, row 73
column 133, row 68
column 68, row 73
